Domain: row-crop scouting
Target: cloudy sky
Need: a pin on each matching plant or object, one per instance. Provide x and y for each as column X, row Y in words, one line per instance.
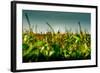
column 58, row 20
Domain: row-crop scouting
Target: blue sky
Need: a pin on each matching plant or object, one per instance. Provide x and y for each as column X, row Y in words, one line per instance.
column 58, row 20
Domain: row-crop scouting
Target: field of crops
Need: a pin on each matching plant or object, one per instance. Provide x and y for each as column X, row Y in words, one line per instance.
column 55, row 46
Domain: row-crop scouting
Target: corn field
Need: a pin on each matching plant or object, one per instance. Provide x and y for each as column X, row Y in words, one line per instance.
column 51, row 46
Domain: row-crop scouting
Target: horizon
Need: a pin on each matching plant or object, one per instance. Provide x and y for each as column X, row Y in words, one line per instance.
column 59, row 21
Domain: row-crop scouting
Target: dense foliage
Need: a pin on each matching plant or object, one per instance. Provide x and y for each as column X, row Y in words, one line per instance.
column 57, row 46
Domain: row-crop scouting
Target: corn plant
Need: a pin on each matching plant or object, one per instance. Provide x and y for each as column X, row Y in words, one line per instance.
column 54, row 46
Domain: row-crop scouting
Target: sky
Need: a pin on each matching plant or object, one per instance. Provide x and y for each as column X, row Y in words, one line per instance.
column 60, row 21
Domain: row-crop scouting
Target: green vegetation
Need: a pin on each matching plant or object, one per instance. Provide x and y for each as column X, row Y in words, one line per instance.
column 55, row 46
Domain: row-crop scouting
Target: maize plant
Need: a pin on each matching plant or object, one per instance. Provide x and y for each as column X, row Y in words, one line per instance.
column 55, row 46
